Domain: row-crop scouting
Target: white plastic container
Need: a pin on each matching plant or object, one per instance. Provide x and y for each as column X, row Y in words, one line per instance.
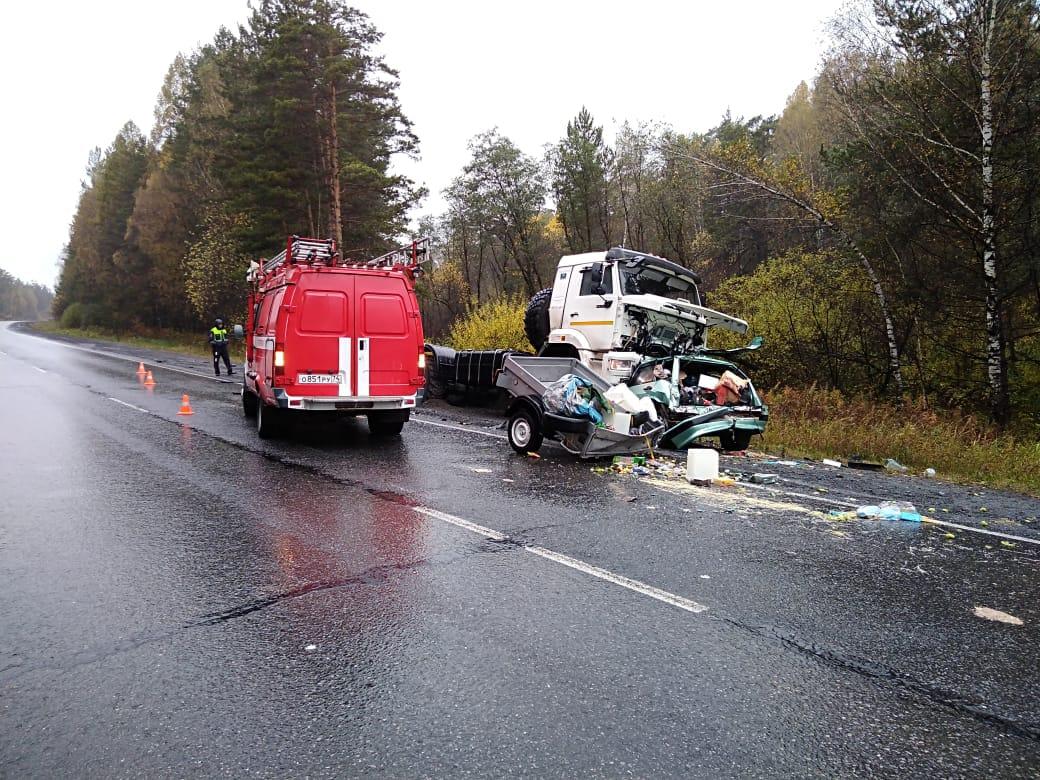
column 622, row 397
column 702, row 466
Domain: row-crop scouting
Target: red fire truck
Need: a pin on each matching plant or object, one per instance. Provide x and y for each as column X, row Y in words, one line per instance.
column 332, row 336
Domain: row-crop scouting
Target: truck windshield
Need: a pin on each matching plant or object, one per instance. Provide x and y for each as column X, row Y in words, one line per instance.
column 646, row 279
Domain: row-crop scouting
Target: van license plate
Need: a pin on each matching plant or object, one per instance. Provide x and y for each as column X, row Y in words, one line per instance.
column 319, row 379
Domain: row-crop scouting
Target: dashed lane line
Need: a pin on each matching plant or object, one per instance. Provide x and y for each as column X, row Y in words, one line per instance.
column 129, row 406
column 930, row 520
column 462, row 428
column 132, row 359
column 642, row 588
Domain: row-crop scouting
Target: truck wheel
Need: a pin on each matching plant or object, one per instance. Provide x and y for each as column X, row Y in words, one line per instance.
column 524, row 432
column 268, row 421
column 249, row 403
column 735, row 440
column 386, row 424
column 536, row 318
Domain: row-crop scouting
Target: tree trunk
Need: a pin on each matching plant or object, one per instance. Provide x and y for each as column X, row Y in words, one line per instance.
column 335, row 189
column 998, row 396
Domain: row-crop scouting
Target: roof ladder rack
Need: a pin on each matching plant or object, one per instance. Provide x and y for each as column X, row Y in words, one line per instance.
column 304, row 250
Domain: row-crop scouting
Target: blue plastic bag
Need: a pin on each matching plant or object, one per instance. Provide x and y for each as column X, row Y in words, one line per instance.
column 571, row 396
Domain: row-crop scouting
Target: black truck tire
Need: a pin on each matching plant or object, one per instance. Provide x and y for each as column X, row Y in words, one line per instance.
column 536, row 318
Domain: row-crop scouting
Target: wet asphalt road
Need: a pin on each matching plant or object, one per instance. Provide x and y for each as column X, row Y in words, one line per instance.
column 180, row 598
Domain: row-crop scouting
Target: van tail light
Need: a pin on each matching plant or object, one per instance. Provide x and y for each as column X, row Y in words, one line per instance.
column 279, row 362
column 422, row 361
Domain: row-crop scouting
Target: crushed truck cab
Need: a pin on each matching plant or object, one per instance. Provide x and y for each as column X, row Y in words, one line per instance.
column 333, row 337
column 621, row 312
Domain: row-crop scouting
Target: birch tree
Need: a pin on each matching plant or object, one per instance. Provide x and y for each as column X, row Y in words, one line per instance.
column 932, row 91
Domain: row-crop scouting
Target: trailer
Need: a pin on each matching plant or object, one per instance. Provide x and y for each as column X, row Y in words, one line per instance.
column 526, row 380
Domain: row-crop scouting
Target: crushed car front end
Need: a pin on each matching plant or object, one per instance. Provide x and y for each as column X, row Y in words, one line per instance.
column 701, row 396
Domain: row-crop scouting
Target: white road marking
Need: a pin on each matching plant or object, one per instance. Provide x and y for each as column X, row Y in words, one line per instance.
column 130, row 406
column 573, row 563
column 462, row 428
column 929, row 521
column 625, row 582
column 480, row 530
column 132, row 359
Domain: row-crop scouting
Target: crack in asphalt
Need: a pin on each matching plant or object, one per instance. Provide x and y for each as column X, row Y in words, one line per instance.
column 843, row 661
column 373, row 576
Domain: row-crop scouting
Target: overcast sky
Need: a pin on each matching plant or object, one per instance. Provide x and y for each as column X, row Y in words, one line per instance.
column 74, row 72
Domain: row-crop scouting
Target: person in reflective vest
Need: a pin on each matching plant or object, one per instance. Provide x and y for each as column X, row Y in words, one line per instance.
column 219, row 343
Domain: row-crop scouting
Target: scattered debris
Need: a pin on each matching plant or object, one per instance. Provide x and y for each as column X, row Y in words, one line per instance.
column 857, row 462
column 988, row 613
column 929, row 472
column 507, row 479
column 481, row 471
column 894, row 465
column 890, row 510
column 310, row 648
column 828, row 462
column 534, row 455
column 765, row 479
column 705, row 576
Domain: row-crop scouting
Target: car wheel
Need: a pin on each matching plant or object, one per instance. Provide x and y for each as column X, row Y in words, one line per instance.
column 524, row 432
column 735, row 440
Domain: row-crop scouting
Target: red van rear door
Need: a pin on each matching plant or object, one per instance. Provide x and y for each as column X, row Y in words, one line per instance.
column 321, row 355
column 386, row 353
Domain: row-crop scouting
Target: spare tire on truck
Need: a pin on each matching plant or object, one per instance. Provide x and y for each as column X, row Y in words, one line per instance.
column 536, row 318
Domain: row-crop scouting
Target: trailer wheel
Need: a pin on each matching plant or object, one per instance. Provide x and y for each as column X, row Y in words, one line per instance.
column 249, row 403
column 524, row 432
column 268, row 421
column 536, row 318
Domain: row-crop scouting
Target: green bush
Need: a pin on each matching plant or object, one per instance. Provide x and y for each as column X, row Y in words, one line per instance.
column 497, row 324
column 72, row 317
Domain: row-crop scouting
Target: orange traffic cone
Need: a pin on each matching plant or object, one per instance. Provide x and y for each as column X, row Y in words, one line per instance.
column 148, row 380
column 140, row 369
column 185, row 405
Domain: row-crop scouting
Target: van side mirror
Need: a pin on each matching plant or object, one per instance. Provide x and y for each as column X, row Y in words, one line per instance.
column 237, row 331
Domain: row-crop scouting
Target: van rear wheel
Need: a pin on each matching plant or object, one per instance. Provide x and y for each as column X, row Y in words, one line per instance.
column 269, row 422
column 386, row 423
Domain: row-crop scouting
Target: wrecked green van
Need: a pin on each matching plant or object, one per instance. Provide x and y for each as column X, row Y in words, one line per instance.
column 703, row 395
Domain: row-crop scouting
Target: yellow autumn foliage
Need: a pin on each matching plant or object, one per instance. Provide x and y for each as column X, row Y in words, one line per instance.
column 496, row 324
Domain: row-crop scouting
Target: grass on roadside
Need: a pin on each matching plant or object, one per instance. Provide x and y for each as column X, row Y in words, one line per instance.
column 186, row 343
column 819, row 423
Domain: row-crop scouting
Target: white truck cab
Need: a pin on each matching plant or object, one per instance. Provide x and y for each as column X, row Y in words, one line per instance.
column 612, row 309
